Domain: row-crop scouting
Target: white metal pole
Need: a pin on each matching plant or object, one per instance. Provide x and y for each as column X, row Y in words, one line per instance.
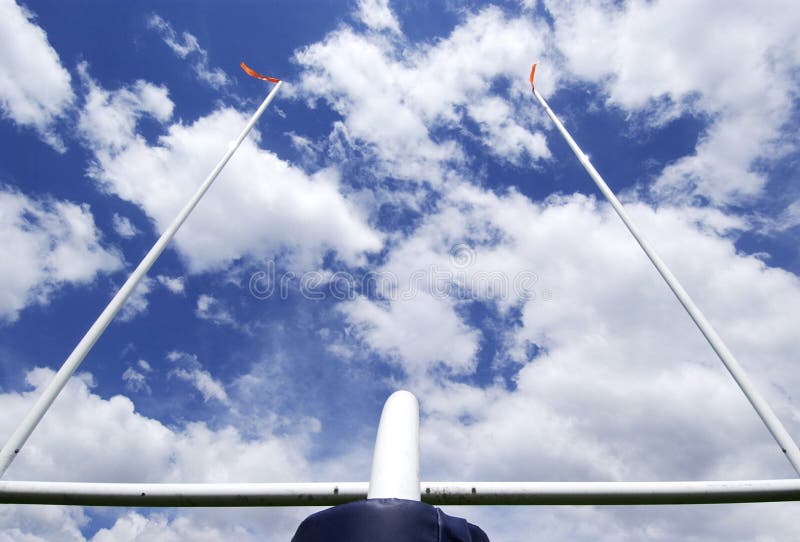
column 332, row 493
column 610, row 493
column 395, row 461
column 761, row 406
column 34, row 416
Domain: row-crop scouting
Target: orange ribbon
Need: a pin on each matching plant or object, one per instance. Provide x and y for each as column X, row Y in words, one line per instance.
column 257, row 75
column 533, row 70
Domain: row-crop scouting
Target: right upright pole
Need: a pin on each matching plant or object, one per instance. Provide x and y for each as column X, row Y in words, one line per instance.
column 765, row 412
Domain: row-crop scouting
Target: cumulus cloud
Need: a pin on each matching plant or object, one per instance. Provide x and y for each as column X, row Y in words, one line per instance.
column 399, row 100
column 717, row 523
column 44, row 244
column 35, row 88
column 123, row 226
column 135, row 381
column 159, row 527
column 599, row 375
column 108, row 119
column 176, row 285
column 189, row 369
column 422, row 332
column 377, row 14
column 85, row 437
column 135, row 378
column 669, row 58
column 212, row 309
column 502, row 134
column 187, row 45
column 260, row 205
column 202, row 380
column 786, row 220
column 193, row 453
column 42, row 523
column 137, row 303
column 308, row 150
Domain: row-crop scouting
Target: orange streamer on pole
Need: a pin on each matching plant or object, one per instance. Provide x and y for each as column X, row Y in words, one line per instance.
column 253, row 73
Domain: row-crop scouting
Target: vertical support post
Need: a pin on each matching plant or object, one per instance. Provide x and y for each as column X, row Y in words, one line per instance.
column 762, row 408
column 395, row 461
column 35, row 415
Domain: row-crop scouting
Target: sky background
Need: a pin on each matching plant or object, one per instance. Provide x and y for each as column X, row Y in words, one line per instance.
column 403, row 216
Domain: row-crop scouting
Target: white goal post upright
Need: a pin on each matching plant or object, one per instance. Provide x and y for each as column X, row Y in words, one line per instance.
column 765, row 412
column 37, row 412
column 395, row 459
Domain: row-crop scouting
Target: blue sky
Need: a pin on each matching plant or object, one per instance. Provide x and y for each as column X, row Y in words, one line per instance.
column 403, row 216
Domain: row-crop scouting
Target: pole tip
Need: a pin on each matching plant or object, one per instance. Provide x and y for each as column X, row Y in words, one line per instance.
column 533, row 71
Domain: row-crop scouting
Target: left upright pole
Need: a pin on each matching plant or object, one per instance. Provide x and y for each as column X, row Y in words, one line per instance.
column 35, row 415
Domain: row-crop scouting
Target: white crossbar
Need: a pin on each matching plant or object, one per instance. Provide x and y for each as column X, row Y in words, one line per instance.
column 439, row 493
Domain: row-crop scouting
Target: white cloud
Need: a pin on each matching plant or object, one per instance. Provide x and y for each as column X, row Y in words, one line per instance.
column 393, row 96
column 34, row 87
column 175, row 355
column 421, row 333
column 212, row 309
column 377, row 15
column 787, row 219
column 182, row 48
column 62, row 440
column 176, row 285
column 137, row 303
column 208, row 387
column 260, row 205
column 45, row 244
column 85, row 437
column 135, row 381
column 35, row 523
column 144, row 365
column 732, row 64
column 623, row 386
column 190, row 370
column 717, row 523
column 502, row 134
column 302, row 144
column 309, row 151
column 158, row 527
column 188, row 45
column 123, row 226
column 108, row 119
column 275, row 525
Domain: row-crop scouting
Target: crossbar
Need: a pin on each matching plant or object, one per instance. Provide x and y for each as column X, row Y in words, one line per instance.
column 438, row 493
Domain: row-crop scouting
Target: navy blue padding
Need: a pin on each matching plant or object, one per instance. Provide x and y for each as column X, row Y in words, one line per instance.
column 386, row 520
